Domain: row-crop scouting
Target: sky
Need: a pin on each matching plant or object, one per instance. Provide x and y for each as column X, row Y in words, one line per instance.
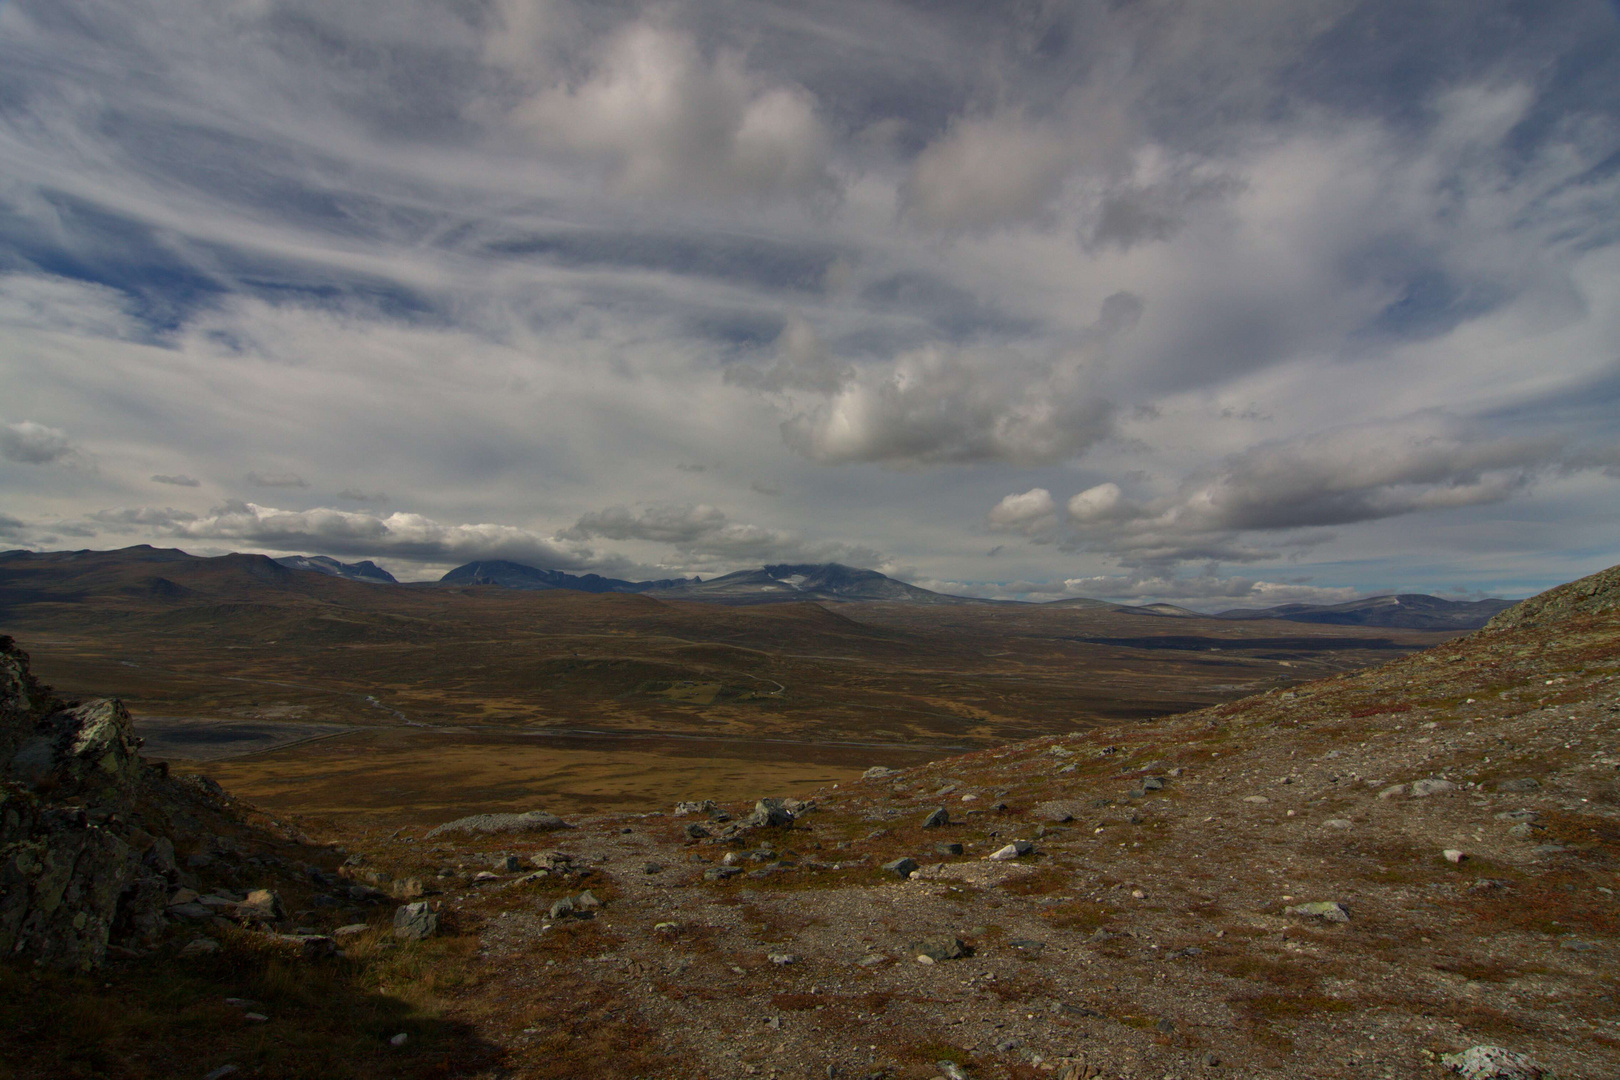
column 1223, row 302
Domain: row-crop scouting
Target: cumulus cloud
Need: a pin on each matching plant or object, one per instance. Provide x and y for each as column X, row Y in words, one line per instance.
column 177, row 480
column 1340, row 477
column 704, row 535
column 986, row 172
column 34, row 444
column 939, row 405
column 670, row 120
column 1032, row 513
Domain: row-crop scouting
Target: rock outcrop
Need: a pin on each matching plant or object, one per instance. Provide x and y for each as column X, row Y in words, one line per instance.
column 76, row 869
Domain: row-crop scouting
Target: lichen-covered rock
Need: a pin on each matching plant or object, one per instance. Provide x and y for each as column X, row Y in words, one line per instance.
column 89, row 752
column 74, row 871
column 61, row 882
column 1492, row 1063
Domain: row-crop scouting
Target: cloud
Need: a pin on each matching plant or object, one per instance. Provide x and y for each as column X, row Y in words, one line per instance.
column 11, row 527
column 703, row 535
column 802, row 363
column 177, row 480
column 987, row 172
column 1032, row 513
column 410, row 537
column 34, row 444
column 940, row 405
column 1299, row 486
column 356, row 495
column 276, row 480
column 667, row 120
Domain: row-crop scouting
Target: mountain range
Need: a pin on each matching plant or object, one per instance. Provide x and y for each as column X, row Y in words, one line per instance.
column 838, row 583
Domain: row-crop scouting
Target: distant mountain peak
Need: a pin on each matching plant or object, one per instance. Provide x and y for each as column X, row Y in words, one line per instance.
column 365, row 570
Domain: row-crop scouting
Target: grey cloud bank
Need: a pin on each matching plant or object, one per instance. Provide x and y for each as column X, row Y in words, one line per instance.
column 1068, row 299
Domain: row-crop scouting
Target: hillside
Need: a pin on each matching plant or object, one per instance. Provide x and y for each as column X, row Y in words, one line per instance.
column 1356, row 876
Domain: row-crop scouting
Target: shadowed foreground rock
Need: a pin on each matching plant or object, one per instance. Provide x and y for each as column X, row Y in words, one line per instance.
column 76, row 872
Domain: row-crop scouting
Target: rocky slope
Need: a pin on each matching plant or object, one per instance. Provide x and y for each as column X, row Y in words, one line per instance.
column 1378, row 875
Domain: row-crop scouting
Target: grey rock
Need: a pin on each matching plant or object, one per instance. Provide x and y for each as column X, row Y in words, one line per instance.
column 952, row 848
column 200, row 947
column 560, row 909
column 1492, row 1063
column 950, row 1070
column 721, row 873
column 508, row 864
column 1424, row 788
column 653, row 868
column 901, row 867
column 309, row 946
column 1326, row 910
column 1016, row 849
column 587, row 901
column 694, row 831
column 1153, row 783
column 414, row 922
column 937, row 818
column 1027, row 946
column 769, row 813
column 940, row 947
column 705, row 807
column 783, row 959
column 1517, row 815
column 1523, row 783
column 528, row 821
column 878, row 772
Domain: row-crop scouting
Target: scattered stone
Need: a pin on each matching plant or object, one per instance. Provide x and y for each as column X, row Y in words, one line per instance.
column 1153, row 783
column 1027, row 946
column 528, row 821
column 1256, row 799
column 653, row 868
column 1518, row 815
column 950, row 1070
column 560, row 909
column 1392, row 791
column 414, row 922
column 782, row 959
column 1523, row 783
column 1165, row 1026
column 1424, row 788
column 878, row 772
column 942, row 947
column 1327, row 910
column 952, row 848
column 399, row 1040
column 1525, row 830
column 311, row 946
column 1338, row 823
column 721, row 873
column 484, row 877
column 350, row 930
column 901, row 867
column 872, row 960
column 1014, row 850
column 1453, row 855
column 508, row 864
column 694, row 831
column 1211, row 1061
column 707, row 806
column 183, row 896
column 937, row 819
column 1492, row 1063
column 587, row 901
column 222, row 1072
column 769, row 814
column 202, row 946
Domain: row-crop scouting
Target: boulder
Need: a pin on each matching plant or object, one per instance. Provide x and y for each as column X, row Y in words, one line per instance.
column 1424, row 788
column 939, row 947
column 1016, row 849
column 769, row 813
column 937, row 819
column 1326, row 910
column 414, row 922
column 901, row 867
column 878, row 772
column 528, row 821
column 1492, row 1063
